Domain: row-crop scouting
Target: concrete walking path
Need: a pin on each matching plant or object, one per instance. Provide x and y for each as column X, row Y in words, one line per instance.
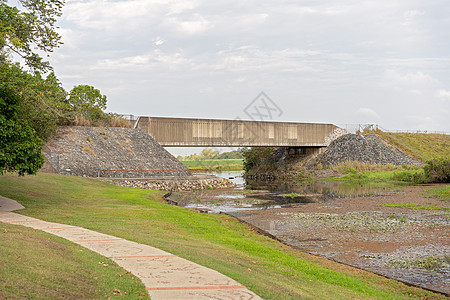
column 165, row 276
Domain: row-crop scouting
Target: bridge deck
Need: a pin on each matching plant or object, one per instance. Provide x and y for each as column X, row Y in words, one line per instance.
column 180, row 132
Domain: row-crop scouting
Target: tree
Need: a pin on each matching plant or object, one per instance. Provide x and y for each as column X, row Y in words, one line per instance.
column 87, row 101
column 25, row 33
column 255, row 156
column 20, row 148
column 30, row 105
column 209, row 153
column 42, row 102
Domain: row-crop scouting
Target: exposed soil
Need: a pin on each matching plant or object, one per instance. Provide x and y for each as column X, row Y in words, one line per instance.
column 406, row 244
column 410, row 245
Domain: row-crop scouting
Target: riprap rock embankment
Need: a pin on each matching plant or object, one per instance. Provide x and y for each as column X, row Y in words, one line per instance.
column 129, row 156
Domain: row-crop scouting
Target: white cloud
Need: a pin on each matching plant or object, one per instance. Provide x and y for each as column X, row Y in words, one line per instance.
column 253, row 58
column 155, row 59
column 410, row 15
column 158, row 41
column 109, row 15
column 194, row 24
column 410, row 82
column 367, row 115
column 443, row 94
column 206, row 90
column 315, row 57
column 415, row 92
column 411, row 78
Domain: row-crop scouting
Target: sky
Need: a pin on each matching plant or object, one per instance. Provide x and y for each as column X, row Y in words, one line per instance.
column 328, row 61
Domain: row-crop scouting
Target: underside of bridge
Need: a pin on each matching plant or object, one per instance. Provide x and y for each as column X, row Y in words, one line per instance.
column 184, row 132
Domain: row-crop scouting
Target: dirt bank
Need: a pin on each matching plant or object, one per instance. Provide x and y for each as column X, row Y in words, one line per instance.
column 410, row 245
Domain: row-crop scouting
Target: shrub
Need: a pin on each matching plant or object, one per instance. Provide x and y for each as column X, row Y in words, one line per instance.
column 416, row 177
column 438, row 170
column 255, row 156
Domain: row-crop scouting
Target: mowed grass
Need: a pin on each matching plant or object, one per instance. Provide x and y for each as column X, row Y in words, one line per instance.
column 422, row 146
column 214, row 164
column 269, row 268
column 38, row 265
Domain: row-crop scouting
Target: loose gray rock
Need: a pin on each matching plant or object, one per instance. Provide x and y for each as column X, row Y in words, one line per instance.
column 365, row 149
column 109, row 152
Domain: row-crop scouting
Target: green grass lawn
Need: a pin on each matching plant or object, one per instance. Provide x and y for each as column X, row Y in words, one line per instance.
column 38, row 265
column 267, row 267
column 214, row 164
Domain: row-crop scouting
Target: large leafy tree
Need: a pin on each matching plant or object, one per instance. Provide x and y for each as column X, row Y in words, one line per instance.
column 42, row 100
column 255, row 156
column 88, row 102
column 30, row 31
column 28, row 102
column 20, row 147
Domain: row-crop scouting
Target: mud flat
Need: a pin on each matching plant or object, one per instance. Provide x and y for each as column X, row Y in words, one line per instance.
column 411, row 245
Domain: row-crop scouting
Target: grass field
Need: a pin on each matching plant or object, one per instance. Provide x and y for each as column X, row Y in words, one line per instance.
column 378, row 176
column 269, row 268
column 38, row 265
column 422, row 146
column 214, row 164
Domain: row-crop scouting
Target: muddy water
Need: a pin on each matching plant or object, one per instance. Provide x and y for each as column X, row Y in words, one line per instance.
column 343, row 222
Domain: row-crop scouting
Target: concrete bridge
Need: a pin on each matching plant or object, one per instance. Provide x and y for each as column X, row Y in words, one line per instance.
column 183, row 132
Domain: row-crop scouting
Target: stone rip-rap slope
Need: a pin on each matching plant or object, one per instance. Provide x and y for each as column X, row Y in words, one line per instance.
column 109, row 152
column 365, row 149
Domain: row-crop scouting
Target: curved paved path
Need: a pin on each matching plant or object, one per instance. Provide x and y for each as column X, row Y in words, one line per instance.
column 165, row 276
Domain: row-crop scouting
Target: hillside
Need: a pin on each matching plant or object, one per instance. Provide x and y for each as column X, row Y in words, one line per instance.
column 109, row 152
column 368, row 148
column 422, row 146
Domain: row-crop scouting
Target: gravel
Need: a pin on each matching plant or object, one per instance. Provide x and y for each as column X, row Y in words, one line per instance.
column 365, row 149
column 109, row 152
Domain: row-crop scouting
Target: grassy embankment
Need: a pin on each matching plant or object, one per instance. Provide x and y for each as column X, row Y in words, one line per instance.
column 421, row 146
column 214, row 164
column 38, row 265
column 271, row 269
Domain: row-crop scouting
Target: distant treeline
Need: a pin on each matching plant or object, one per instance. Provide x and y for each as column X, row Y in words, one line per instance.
column 209, row 153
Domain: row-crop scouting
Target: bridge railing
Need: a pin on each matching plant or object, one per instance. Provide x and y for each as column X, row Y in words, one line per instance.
column 355, row 128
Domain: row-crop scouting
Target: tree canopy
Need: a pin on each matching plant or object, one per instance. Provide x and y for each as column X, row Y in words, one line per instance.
column 20, row 148
column 28, row 102
column 33, row 102
column 87, row 101
column 30, row 31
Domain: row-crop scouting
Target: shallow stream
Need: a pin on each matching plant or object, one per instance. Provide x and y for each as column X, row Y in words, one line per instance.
column 342, row 222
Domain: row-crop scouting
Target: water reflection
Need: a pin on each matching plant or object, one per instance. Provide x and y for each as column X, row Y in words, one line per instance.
column 347, row 230
column 258, row 195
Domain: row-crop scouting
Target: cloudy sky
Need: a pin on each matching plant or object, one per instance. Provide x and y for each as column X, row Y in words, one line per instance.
column 341, row 62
